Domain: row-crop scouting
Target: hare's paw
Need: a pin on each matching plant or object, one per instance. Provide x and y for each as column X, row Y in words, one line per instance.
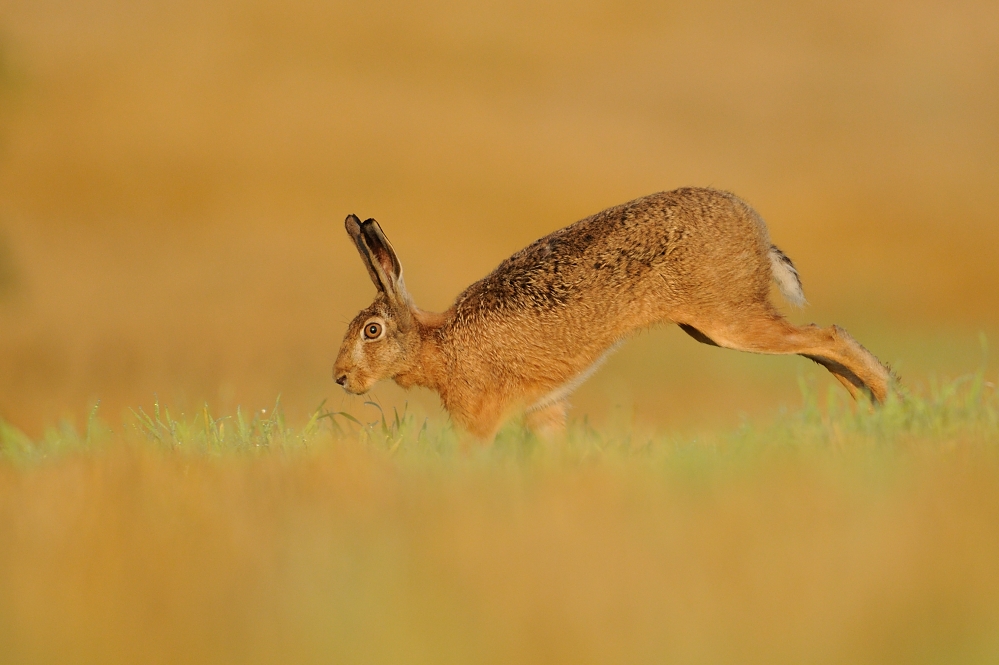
column 548, row 422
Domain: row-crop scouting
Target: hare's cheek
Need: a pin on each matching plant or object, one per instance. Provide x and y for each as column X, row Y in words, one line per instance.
column 357, row 356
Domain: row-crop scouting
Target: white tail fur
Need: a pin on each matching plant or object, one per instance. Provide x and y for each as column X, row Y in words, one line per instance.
column 786, row 276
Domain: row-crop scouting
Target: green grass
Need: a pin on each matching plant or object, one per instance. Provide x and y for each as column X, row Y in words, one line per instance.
column 836, row 533
column 964, row 407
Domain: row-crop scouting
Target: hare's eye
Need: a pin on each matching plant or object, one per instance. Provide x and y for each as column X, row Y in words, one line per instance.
column 373, row 330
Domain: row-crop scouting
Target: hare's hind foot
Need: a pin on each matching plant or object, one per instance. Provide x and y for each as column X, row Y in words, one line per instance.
column 833, row 348
column 856, row 368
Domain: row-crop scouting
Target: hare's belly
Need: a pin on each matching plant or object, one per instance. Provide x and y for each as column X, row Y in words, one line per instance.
column 567, row 388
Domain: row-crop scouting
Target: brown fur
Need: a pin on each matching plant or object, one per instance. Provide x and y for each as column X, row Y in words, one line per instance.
column 700, row 258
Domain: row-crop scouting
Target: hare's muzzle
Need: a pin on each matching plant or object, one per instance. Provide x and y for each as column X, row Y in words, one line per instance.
column 339, row 374
column 353, row 385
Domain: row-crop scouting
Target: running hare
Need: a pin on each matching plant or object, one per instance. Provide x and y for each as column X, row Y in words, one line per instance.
column 533, row 330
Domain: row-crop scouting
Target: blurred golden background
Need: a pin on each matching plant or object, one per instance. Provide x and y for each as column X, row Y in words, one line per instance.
column 174, row 176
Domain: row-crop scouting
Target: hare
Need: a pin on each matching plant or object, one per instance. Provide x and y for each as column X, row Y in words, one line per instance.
column 529, row 333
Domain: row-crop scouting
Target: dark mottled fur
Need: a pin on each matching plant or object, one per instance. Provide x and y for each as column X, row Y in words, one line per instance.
column 646, row 256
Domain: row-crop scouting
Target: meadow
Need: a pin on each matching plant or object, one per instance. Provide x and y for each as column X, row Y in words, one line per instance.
column 834, row 534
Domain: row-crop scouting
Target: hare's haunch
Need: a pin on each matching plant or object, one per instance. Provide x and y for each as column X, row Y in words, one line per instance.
column 535, row 328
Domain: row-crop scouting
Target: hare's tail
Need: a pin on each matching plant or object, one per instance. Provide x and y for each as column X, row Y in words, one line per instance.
column 786, row 276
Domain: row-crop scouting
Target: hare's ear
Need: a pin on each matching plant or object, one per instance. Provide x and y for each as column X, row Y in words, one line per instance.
column 380, row 259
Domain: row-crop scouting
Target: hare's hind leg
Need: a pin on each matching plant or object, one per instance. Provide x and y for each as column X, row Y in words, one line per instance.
column 833, row 348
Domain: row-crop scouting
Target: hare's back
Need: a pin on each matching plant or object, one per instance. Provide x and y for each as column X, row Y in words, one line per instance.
column 652, row 253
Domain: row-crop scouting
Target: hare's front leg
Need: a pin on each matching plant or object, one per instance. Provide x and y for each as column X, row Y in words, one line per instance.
column 479, row 417
column 548, row 422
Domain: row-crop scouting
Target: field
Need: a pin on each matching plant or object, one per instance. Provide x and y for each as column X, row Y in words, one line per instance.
column 173, row 182
column 836, row 534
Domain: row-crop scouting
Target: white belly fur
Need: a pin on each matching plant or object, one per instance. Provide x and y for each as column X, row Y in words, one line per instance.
column 566, row 389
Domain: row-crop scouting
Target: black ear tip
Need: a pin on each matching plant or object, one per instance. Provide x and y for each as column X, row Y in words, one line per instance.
column 352, row 224
column 369, row 220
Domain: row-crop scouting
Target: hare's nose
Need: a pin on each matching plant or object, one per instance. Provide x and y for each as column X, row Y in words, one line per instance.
column 342, row 379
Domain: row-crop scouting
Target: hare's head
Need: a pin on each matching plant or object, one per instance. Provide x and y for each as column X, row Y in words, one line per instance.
column 382, row 340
